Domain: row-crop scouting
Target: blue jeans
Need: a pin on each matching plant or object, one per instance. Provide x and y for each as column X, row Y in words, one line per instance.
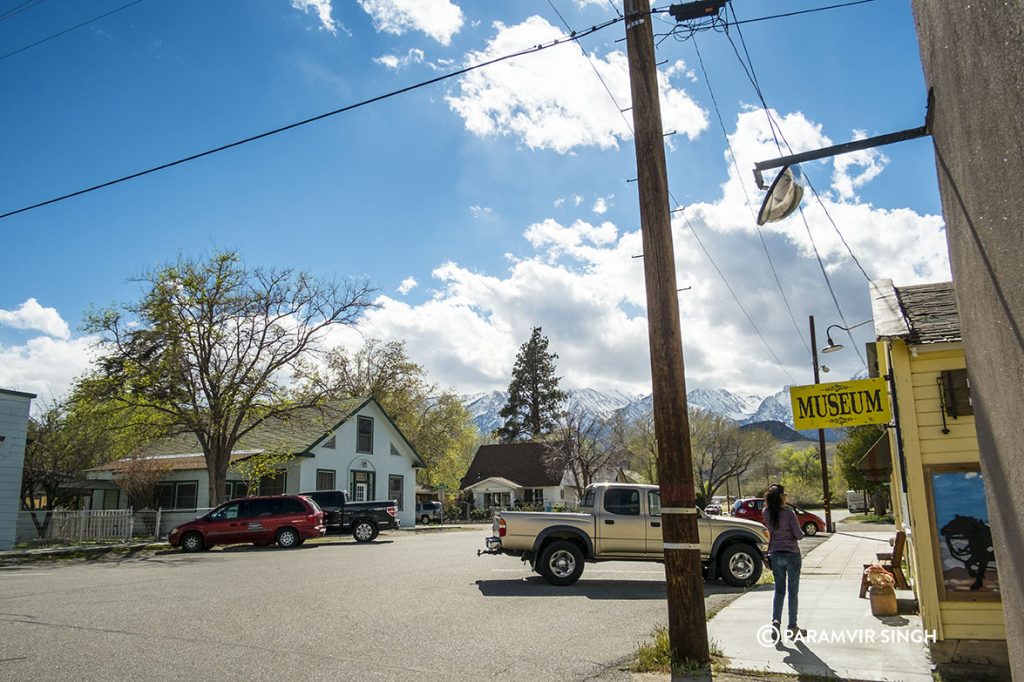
column 786, row 569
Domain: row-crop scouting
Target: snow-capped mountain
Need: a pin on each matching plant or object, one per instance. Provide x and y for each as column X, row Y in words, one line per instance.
column 774, row 408
column 484, row 408
column 724, row 403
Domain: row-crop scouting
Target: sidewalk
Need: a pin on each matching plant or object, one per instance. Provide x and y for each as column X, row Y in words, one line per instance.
column 844, row 640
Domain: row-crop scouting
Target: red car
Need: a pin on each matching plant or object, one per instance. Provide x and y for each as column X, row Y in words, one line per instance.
column 288, row 520
column 752, row 508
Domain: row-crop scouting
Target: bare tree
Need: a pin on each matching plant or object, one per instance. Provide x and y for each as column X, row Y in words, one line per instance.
column 637, row 438
column 579, row 447
column 722, row 450
column 216, row 349
column 140, row 479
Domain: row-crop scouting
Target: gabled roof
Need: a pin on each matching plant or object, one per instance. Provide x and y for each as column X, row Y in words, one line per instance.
column 495, row 480
column 920, row 313
column 520, row 463
column 189, row 462
column 298, row 434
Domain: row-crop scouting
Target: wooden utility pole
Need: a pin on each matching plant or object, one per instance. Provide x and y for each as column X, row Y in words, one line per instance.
column 821, row 439
column 687, row 627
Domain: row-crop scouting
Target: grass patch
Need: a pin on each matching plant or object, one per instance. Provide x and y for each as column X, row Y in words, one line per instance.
column 657, row 657
column 869, row 518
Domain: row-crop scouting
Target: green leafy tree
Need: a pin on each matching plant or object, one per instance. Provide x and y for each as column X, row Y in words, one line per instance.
column 534, row 400
column 849, row 452
column 215, row 349
column 800, row 472
column 434, row 420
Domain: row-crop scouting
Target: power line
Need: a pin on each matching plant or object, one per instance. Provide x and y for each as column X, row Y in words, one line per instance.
column 694, row 231
column 18, row 9
column 68, row 30
column 252, row 138
column 736, row 22
column 746, row 196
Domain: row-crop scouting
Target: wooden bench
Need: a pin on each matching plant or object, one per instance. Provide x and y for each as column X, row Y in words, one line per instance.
column 891, row 562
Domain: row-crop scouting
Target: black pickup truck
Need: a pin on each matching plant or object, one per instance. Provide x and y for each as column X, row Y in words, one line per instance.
column 363, row 519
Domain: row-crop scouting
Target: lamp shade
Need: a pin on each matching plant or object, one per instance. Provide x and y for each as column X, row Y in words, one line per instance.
column 783, row 196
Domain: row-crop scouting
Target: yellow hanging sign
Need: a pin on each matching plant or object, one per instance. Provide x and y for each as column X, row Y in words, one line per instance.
column 840, row 403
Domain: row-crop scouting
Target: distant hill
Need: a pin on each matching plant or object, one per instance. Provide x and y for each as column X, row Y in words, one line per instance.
column 779, row 431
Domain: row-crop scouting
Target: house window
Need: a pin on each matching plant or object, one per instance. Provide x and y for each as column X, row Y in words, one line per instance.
column 274, row 486
column 331, row 443
column 394, row 451
column 361, row 486
column 396, row 489
column 177, row 495
column 364, row 434
column 111, row 498
column 325, row 479
column 533, row 496
column 235, row 489
column 495, row 500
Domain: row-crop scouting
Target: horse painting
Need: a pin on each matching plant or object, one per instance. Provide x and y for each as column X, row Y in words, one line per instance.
column 970, row 541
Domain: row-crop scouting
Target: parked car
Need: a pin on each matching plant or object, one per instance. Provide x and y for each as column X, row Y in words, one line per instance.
column 288, row 520
column 622, row 522
column 365, row 520
column 752, row 509
column 429, row 511
column 713, row 508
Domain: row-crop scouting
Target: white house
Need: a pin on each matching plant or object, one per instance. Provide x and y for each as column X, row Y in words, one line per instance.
column 514, row 474
column 14, row 409
column 353, row 446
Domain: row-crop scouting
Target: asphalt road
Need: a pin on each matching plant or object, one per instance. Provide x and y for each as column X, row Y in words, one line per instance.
column 403, row 607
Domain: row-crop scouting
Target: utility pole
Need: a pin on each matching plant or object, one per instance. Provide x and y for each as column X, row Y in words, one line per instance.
column 687, row 627
column 821, row 439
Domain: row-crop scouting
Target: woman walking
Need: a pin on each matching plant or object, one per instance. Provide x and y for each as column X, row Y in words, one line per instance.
column 784, row 557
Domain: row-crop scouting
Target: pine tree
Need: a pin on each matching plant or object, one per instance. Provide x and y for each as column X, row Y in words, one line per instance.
column 534, row 401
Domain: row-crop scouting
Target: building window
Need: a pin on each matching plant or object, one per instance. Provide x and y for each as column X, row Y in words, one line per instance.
column 111, row 498
column 274, row 486
column 235, row 489
column 396, row 489
column 955, row 392
column 325, row 479
column 178, row 495
column 331, row 443
column 394, row 451
column 533, row 496
column 364, row 434
column 361, row 486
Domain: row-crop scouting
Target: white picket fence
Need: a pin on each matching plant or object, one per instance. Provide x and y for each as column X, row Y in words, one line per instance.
column 108, row 525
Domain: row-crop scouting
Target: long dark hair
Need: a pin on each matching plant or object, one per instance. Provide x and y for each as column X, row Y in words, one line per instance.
column 773, row 503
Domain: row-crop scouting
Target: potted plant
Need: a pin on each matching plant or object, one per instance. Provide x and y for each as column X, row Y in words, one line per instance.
column 881, row 590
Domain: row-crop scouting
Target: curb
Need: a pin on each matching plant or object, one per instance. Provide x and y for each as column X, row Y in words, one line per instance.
column 84, row 549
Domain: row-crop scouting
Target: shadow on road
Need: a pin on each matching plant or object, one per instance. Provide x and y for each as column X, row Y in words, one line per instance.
column 535, row 586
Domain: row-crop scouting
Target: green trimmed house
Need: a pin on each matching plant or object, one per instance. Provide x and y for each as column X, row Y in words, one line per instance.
column 353, row 445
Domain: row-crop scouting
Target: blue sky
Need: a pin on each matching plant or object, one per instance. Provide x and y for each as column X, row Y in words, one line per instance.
column 481, row 206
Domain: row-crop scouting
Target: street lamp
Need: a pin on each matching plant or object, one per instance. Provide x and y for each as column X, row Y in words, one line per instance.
column 830, row 348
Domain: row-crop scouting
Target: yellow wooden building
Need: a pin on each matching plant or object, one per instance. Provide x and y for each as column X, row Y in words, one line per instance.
column 937, row 485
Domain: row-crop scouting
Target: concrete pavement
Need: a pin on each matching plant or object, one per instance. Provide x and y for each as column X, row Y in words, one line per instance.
column 844, row 640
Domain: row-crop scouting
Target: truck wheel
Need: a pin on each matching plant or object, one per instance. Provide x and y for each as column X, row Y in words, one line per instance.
column 364, row 531
column 740, row 565
column 561, row 563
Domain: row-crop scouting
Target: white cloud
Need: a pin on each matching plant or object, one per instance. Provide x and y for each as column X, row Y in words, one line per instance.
column 395, row 62
column 559, row 202
column 481, row 212
column 601, row 204
column 580, row 281
column 45, row 366
column 577, row 199
column 439, row 19
column 407, row 285
column 322, row 9
column 552, row 99
column 31, row 315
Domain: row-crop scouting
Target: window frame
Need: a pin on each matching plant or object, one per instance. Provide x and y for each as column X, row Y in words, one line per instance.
column 401, row 489
column 334, row 479
column 360, row 421
column 282, row 476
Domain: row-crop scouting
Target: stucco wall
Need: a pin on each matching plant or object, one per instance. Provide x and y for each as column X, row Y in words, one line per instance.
column 972, row 53
column 14, row 409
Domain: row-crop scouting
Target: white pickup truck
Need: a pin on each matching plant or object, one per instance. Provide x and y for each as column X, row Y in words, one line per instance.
column 622, row 522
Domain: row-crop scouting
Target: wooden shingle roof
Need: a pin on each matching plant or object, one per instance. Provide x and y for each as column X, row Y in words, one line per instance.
column 521, row 463
column 920, row 313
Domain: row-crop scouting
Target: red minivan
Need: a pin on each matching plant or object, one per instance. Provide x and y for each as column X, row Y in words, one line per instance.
column 288, row 520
